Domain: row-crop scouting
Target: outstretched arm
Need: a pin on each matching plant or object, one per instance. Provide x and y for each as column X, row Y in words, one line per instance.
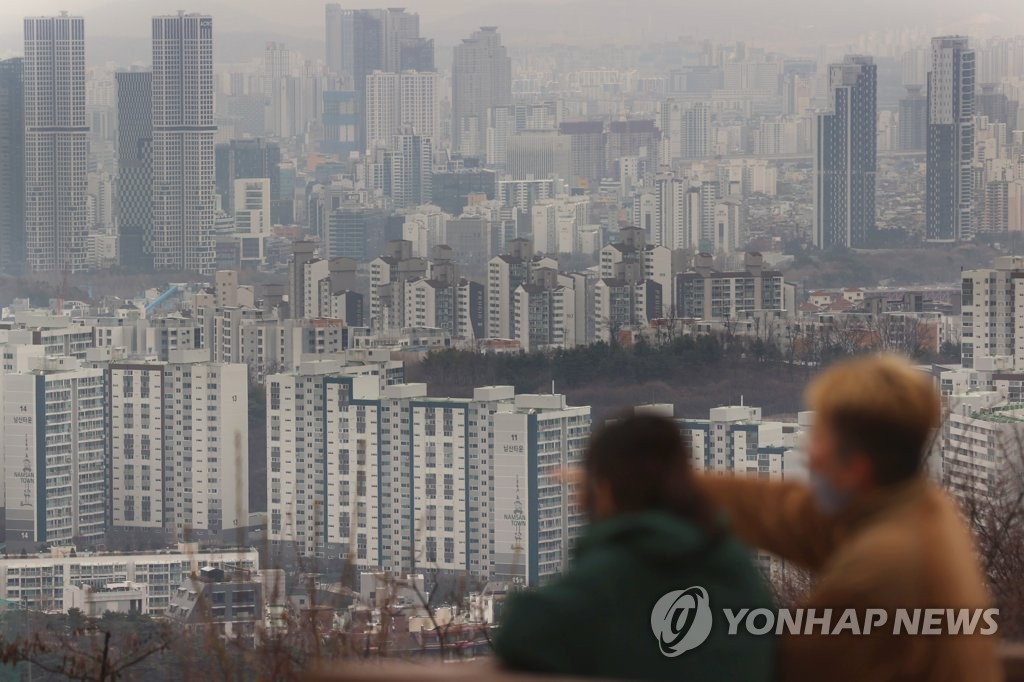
column 781, row 518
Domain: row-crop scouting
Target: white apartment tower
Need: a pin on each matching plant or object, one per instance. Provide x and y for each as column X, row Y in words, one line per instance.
column 179, row 445
column 400, row 102
column 137, row 456
column 207, row 436
column 389, row 478
column 183, row 131
column 56, row 144
column 53, row 444
column 992, row 301
column 535, row 520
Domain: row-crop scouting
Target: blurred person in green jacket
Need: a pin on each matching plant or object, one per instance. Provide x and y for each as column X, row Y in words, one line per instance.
column 644, row 595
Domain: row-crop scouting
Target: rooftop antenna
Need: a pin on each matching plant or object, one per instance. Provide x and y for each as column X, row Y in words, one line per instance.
column 552, row 387
column 741, row 400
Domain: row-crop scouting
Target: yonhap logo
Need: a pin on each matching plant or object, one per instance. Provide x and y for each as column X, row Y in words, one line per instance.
column 681, row 620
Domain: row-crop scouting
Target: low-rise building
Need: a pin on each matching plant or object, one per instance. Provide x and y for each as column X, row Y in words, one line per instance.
column 38, row 582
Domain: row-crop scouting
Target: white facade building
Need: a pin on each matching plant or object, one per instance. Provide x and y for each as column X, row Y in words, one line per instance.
column 183, row 130
column 39, row 582
column 208, row 484
column 53, row 444
column 56, row 144
column 252, row 206
column 535, row 519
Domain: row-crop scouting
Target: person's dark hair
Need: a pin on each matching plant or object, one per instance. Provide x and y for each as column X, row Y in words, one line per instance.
column 647, row 466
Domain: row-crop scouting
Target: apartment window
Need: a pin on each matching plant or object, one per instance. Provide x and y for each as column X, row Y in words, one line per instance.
column 449, row 550
column 449, row 487
column 431, row 550
column 449, row 519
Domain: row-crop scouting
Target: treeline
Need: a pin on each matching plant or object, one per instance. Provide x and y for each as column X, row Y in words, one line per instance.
column 694, row 373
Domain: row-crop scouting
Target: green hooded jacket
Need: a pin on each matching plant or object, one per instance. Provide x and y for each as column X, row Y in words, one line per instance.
column 596, row 620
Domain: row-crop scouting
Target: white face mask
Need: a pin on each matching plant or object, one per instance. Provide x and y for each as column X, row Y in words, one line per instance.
column 830, row 499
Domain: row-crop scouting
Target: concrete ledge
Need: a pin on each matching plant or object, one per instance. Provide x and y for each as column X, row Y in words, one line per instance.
column 488, row 671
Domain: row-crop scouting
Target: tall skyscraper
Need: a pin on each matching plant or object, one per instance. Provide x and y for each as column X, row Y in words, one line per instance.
column 913, row 119
column 56, row 144
column 382, row 109
column 481, row 79
column 845, row 149
column 949, row 187
column 183, row 129
column 12, row 170
column 339, row 37
column 281, row 92
column 134, row 167
column 362, row 41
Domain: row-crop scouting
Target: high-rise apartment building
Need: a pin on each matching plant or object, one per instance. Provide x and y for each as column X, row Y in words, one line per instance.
column 587, row 151
column 54, row 449
column 409, row 170
column 56, row 144
column 992, row 299
column 949, row 185
column 481, row 79
column 134, row 167
column 534, row 519
column 707, row 294
column 362, row 41
column 183, row 130
column 400, row 102
column 179, row 445
column 392, row 479
column 12, row 171
column 845, row 151
column 688, row 128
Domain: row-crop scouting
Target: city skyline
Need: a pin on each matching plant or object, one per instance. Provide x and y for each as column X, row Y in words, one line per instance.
column 449, row 21
column 346, row 289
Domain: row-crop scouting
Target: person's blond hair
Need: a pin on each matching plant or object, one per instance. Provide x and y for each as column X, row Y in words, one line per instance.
column 881, row 406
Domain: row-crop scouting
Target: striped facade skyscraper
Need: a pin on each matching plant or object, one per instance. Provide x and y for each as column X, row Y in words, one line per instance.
column 12, row 170
column 56, row 144
column 845, row 157
column 183, row 130
column 135, row 167
column 949, row 184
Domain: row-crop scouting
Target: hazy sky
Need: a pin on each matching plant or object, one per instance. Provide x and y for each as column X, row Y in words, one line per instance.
column 779, row 23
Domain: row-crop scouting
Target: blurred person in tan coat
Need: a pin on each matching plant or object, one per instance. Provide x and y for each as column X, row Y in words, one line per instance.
column 873, row 529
